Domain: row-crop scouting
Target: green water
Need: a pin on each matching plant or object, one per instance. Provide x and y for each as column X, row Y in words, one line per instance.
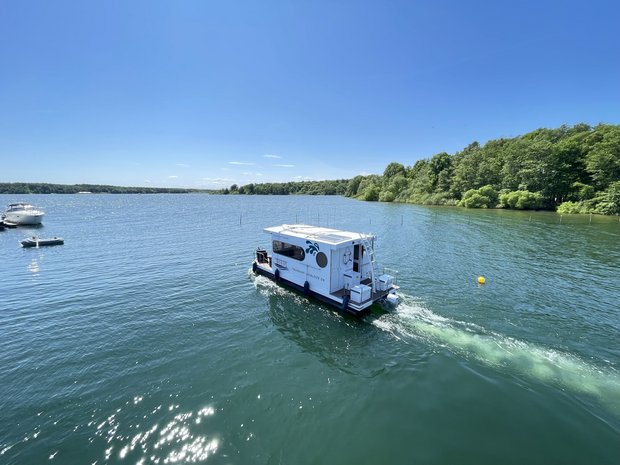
column 146, row 338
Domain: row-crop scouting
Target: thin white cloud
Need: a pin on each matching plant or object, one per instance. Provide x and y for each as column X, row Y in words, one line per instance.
column 285, row 166
column 147, row 181
column 173, row 177
column 217, row 179
column 250, row 173
column 272, row 156
column 183, row 165
column 241, row 163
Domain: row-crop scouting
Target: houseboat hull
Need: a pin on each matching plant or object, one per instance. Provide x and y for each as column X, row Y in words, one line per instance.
column 338, row 304
column 336, row 267
column 342, row 303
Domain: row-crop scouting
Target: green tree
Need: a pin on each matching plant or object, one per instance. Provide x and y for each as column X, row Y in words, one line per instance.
column 521, row 200
column 485, row 197
column 371, row 193
column 603, row 161
column 610, row 200
column 441, row 172
column 353, row 186
column 394, row 169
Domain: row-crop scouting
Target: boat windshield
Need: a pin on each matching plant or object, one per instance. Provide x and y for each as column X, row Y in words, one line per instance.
column 20, row 206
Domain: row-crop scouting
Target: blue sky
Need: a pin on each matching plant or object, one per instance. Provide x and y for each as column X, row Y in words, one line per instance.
column 209, row 93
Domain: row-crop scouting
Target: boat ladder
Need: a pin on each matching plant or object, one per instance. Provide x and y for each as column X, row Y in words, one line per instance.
column 374, row 269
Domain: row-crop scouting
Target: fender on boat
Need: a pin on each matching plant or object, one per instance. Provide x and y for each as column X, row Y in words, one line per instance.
column 276, row 275
column 306, row 288
column 345, row 303
column 254, row 266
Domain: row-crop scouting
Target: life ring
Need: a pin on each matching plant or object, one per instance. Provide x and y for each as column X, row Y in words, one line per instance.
column 345, row 303
column 276, row 275
column 254, row 267
column 346, row 256
column 306, row 288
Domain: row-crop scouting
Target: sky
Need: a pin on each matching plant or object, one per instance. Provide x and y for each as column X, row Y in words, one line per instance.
column 204, row 94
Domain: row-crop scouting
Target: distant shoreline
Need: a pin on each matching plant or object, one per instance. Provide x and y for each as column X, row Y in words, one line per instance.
column 22, row 188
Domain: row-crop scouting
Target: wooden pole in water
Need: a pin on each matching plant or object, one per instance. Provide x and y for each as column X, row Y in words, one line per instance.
column 561, row 218
column 590, row 218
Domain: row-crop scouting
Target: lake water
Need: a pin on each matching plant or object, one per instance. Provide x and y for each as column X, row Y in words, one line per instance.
column 145, row 339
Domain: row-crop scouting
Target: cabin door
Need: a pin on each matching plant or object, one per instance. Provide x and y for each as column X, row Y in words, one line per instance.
column 336, row 279
column 358, row 252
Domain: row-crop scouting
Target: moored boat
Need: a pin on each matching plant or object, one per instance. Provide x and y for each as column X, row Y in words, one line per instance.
column 23, row 213
column 334, row 266
column 34, row 241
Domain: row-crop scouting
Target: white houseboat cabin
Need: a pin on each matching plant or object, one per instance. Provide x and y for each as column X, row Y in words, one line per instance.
column 337, row 267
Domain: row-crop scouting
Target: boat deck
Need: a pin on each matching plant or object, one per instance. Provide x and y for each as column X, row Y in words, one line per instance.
column 374, row 297
column 340, row 294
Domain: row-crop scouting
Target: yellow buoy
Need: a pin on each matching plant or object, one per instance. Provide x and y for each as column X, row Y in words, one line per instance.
column 481, row 280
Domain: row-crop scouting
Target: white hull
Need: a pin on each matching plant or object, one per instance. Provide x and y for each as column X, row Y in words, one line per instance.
column 24, row 218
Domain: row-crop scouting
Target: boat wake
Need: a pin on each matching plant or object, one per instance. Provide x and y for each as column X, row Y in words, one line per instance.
column 413, row 321
column 268, row 287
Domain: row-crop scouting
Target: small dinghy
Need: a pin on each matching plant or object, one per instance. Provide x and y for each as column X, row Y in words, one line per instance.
column 36, row 242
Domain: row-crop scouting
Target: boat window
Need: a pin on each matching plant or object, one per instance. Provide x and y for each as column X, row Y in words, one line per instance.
column 289, row 250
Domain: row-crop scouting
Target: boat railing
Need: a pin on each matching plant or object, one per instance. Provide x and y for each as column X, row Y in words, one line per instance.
column 392, row 272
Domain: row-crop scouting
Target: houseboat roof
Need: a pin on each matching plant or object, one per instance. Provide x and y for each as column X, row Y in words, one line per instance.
column 317, row 233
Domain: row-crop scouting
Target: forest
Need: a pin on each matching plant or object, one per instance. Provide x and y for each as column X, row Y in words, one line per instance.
column 569, row 169
column 337, row 187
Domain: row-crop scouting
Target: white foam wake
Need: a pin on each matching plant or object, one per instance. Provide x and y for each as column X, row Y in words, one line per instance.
column 568, row 371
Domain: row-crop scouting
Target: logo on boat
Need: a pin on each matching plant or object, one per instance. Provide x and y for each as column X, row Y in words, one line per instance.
column 313, row 249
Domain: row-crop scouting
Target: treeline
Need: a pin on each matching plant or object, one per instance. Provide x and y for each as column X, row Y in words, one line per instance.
column 572, row 169
column 337, row 187
column 45, row 188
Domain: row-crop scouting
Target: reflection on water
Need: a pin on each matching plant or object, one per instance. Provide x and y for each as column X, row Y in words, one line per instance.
column 33, row 266
column 339, row 340
column 180, row 439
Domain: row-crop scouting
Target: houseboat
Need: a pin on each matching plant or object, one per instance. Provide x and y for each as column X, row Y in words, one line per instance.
column 336, row 267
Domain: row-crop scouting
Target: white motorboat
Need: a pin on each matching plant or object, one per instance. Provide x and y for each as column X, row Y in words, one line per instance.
column 337, row 267
column 23, row 213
